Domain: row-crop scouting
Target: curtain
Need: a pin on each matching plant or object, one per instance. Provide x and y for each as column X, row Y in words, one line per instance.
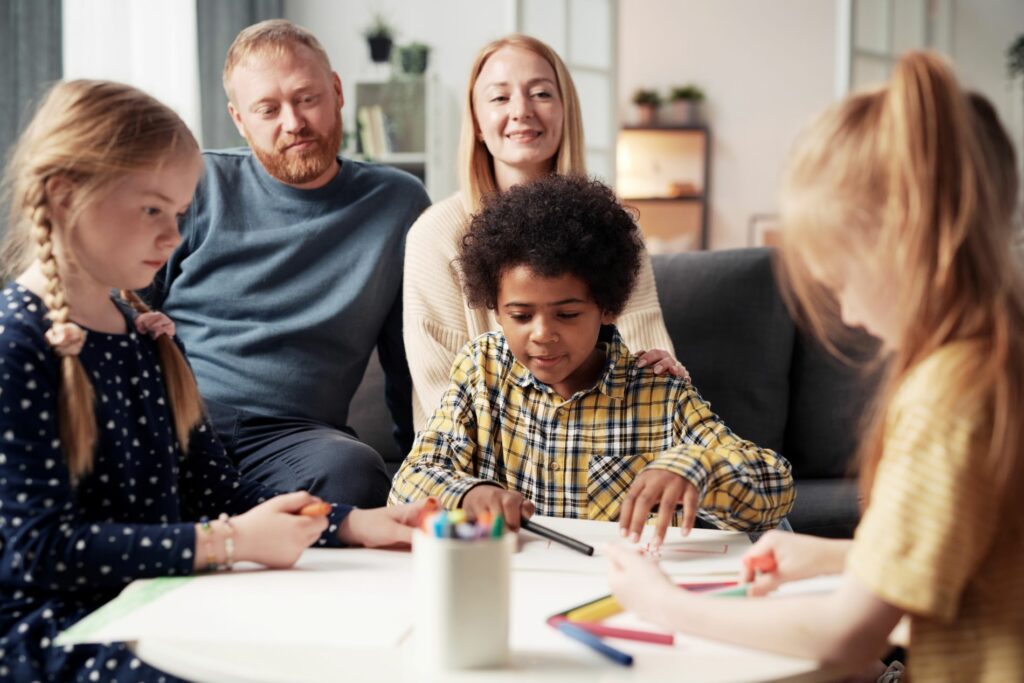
column 30, row 40
column 217, row 24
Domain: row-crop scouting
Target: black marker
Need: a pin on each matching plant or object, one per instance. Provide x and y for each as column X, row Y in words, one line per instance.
column 552, row 535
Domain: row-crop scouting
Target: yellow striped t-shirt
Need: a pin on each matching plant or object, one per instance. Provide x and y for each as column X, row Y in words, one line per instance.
column 932, row 541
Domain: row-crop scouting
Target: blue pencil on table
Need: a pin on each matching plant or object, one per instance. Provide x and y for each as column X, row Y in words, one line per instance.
column 595, row 643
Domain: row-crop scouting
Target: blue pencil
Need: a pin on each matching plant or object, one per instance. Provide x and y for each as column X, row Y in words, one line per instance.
column 595, row 643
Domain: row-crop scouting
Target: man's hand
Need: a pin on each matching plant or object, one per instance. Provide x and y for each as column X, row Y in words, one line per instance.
column 509, row 504
column 664, row 489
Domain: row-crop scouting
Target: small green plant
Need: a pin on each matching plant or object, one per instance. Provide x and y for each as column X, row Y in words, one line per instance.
column 646, row 98
column 414, row 57
column 379, row 28
column 688, row 92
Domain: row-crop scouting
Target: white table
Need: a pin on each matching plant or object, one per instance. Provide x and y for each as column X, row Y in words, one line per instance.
column 345, row 592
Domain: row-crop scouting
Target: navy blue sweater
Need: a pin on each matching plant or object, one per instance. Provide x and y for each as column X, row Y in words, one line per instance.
column 280, row 294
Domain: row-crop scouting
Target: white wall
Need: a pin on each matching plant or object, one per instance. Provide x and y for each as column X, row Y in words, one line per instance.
column 454, row 29
column 766, row 68
column 151, row 45
column 981, row 33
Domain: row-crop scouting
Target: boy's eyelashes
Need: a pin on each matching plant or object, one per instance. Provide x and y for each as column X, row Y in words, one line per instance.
column 525, row 317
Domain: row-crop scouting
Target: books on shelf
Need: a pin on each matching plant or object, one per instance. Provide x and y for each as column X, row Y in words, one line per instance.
column 376, row 132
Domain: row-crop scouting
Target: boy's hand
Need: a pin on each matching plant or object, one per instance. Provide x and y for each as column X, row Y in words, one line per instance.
column 509, row 504
column 664, row 489
column 783, row 556
column 380, row 527
column 662, row 362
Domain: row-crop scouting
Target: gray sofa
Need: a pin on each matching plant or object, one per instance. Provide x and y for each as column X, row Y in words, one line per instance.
column 768, row 381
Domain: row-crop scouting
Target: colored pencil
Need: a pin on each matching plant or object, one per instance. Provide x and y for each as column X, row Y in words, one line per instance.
column 599, row 609
column 761, row 563
column 557, row 537
column 614, row 632
column 594, row 642
column 316, row 510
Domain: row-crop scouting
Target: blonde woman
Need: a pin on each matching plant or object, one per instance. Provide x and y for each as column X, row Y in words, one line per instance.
column 521, row 121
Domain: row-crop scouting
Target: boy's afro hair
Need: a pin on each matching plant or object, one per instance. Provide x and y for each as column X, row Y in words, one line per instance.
column 556, row 225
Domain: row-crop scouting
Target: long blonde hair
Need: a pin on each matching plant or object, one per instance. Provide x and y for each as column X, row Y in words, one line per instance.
column 476, row 165
column 906, row 176
column 89, row 133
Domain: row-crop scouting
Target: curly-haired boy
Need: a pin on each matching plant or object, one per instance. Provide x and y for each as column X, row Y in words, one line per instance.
column 553, row 414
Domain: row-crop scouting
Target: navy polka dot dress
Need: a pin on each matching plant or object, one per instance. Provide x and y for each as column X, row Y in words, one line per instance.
column 65, row 550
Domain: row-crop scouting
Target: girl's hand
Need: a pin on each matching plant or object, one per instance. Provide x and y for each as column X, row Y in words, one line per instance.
column 381, row 526
column 663, row 362
column 274, row 533
column 155, row 324
column 637, row 582
column 781, row 556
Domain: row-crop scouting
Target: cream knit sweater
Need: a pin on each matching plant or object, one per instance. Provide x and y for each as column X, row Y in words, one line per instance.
column 437, row 323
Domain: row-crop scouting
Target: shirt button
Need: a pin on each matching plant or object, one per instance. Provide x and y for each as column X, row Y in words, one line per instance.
column 553, row 465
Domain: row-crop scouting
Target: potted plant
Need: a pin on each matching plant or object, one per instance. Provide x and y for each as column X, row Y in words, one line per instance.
column 647, row 103
column 380, row 36
column 686, row 101
column 414, row 58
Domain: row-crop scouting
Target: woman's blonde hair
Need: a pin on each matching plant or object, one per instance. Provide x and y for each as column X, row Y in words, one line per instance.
column 89, row 133
column 912, row 176
column 476, row 165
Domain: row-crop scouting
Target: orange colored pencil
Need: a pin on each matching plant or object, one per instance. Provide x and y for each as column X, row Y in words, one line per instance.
column 316, row 510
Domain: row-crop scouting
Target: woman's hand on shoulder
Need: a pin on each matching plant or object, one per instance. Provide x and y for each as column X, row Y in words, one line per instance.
column 662, row 362
column 155, row 324
column 274, row 533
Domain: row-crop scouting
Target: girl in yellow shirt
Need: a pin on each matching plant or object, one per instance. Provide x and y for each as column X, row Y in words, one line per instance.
column 897, row 209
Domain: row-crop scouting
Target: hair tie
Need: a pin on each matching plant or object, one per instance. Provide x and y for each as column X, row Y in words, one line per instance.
column 67, row 339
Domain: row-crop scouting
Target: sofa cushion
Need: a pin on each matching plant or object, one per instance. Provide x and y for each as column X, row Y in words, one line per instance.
column 733, row 333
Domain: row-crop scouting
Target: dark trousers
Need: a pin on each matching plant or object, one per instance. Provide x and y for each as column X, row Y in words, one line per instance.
column 297, row 454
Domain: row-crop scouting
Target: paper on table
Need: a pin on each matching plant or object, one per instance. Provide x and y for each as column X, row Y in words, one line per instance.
column 312, row 603
column 704, row 551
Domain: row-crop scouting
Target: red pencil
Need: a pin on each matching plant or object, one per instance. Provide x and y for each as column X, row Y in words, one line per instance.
column 599, row 629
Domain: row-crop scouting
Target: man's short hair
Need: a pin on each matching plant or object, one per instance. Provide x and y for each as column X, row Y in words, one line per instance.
column 273, row 37
column 560, row 224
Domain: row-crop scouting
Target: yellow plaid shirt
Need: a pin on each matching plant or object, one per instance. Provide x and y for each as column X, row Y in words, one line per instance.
column 577, row 457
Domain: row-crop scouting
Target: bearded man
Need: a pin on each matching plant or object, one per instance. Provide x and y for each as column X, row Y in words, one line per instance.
column 289, row 275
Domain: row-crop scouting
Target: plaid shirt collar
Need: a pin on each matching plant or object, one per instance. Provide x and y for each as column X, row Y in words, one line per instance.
column 612, row 382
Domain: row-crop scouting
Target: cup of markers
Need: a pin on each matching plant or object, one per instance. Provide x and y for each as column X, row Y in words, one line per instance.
column 462, row 584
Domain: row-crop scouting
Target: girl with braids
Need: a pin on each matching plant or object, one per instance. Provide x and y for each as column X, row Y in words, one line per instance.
column 104, row 450
column 898, row 211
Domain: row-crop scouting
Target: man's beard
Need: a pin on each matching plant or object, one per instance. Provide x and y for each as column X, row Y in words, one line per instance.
column 298, row 167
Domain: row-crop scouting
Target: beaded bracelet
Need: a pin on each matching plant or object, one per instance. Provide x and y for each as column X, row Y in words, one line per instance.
column 229, row 541
column 207, row 529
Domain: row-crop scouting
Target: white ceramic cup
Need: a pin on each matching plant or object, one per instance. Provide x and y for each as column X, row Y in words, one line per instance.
column 462, row 592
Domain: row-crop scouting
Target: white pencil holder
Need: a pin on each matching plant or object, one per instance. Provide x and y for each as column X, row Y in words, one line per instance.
column 462, row 590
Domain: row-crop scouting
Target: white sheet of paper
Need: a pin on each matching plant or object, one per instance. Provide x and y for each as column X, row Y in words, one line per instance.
column 705, row 551
column 347, row 599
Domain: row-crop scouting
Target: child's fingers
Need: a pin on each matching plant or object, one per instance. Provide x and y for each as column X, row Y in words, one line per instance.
column 510, row 508
column 690, row 505
column 666, row 511
column 292, row 502
column 626, row 511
